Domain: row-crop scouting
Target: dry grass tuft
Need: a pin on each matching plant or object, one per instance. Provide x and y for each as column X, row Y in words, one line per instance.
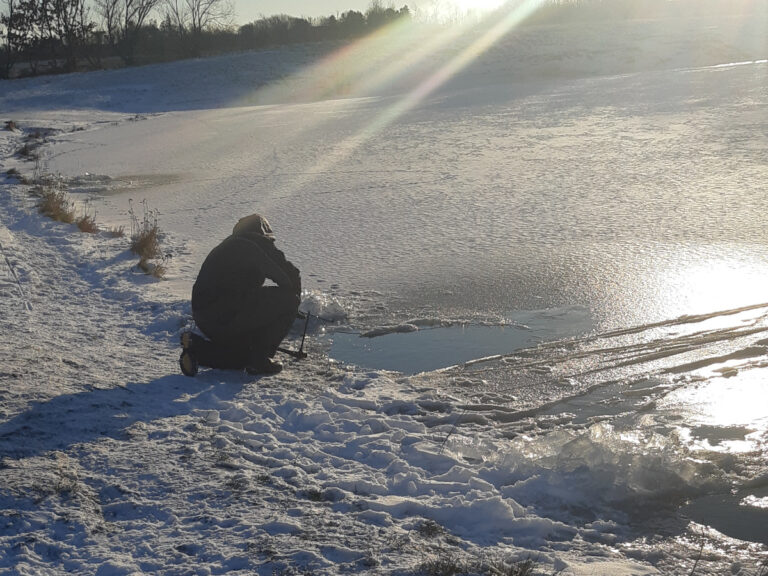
column 55, row 204
column 145, row 243
column 87, row 223
column 87, row 220
column 158, row 271
column 430, row 529
column 116, row 232
column 448, row 565
column 14, row 173
column 145, row 240
column 524, row 568
column 451, row 565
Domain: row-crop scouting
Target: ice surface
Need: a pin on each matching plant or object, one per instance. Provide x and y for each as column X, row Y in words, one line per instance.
column 524, row 177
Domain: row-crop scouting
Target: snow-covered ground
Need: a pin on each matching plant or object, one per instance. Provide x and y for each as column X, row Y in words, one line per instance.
column 555, row 180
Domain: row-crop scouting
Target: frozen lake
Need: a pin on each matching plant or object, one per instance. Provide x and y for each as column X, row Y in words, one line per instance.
column 639, row 197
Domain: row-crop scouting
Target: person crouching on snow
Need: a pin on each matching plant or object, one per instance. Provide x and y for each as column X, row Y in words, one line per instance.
column 243, row 319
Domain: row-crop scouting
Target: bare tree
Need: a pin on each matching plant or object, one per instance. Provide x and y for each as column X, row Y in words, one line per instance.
column 123, row 20
column 8, row 36
column 190, row 18
column 176, row 15
column 20, row 23
column 69, row 22
column 111, row 15
column 208, row 14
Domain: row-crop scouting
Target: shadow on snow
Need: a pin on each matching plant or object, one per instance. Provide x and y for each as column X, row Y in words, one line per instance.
column 70, row 419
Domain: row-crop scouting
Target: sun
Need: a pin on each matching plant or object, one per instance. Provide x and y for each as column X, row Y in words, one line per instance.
column 468, row 6
column 478, row 4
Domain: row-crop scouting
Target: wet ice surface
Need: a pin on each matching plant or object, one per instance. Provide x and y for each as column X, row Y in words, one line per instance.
column 632, row 424
column 640, row 420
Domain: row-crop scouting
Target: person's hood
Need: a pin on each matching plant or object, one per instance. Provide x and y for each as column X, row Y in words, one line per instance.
column 253, row 224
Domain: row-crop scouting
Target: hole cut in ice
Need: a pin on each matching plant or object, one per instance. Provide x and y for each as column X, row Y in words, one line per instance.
column 408, row 349
column 426, row 350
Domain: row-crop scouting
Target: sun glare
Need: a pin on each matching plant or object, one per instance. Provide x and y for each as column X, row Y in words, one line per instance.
column 468, row 6
column 398, row 54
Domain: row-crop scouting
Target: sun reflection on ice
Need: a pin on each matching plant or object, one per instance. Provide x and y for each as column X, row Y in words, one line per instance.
column 718, row 284
column 687, row 280
column 724, row 414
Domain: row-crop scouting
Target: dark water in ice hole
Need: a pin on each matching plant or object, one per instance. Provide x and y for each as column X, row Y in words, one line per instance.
column 430, row 349
column 423, row 350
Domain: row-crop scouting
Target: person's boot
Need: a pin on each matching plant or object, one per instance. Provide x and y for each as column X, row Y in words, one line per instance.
column 188, row 360
column 264, row 366
column 199, row 351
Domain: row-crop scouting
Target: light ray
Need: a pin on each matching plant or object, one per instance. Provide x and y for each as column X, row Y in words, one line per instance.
column 365, row 66
column 411, row 59
column 512, row 18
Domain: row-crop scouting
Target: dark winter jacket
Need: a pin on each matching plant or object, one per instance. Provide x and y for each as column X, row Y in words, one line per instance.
column 235, row 270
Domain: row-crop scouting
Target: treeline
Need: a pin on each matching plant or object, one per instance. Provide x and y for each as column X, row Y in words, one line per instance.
column 49, row 36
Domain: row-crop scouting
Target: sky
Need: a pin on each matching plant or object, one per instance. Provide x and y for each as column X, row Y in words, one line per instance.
column 249, row 10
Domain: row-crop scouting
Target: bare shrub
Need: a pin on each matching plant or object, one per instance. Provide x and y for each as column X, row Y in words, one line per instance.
column 87, row 223
column 145, row 241
column 55, row 204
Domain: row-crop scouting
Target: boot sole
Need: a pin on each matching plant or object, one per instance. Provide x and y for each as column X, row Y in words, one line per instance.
column 188, row 363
